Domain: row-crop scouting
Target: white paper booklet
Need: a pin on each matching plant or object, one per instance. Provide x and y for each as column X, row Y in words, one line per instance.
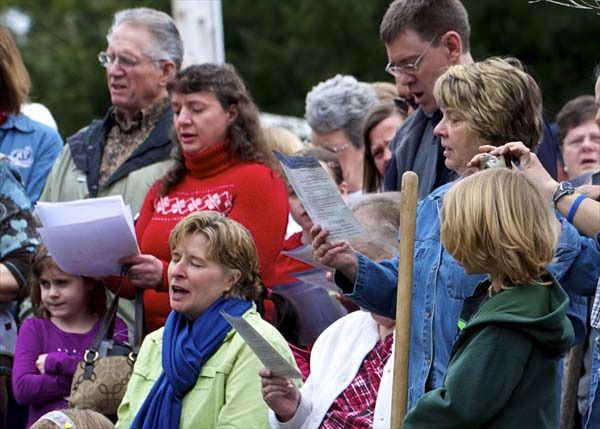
column 265, row 352
column 88, row 237
column 320, row 196
column 305, row 254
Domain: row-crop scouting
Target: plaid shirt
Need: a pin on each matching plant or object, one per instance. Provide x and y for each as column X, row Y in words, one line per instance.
column 355, row 406
column 595, row 317
column 123, row 138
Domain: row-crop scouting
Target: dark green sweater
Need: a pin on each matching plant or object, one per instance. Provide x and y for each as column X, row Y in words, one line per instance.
column 503, row 371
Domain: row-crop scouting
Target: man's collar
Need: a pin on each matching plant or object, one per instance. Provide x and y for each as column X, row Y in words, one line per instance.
column 147, row 116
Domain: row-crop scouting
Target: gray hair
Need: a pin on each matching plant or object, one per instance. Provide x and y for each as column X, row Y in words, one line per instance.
column 166, row 43
column 340, row 103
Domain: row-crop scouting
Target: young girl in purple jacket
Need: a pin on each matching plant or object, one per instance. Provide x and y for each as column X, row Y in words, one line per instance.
column 49, row 347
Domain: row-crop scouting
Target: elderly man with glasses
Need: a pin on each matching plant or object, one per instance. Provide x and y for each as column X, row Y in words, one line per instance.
column 423, row 39
column 128, row 150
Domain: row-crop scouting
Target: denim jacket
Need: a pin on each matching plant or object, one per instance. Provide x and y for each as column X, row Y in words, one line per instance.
column 440, row 285
column 33, row 148
column 592, row 417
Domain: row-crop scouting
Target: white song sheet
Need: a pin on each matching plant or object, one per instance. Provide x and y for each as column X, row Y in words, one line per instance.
column 305, row 254
column 320, row 196
column 88, row 237
column 265, row 352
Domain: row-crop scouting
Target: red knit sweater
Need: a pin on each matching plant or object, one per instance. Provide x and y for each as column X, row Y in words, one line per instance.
column 249, row 193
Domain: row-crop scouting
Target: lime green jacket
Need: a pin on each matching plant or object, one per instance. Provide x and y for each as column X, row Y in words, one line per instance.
column 228, row 391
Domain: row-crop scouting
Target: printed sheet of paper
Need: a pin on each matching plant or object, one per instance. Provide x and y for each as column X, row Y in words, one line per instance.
column 316, row 277
column 320, row 196
column 305, row 254
column 265, row 352
column 88, row 237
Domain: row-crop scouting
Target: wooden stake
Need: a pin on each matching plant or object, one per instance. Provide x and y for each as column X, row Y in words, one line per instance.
column 408, row 215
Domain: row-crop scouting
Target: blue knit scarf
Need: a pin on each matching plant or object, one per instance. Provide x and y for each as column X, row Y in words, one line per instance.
column 186, row 347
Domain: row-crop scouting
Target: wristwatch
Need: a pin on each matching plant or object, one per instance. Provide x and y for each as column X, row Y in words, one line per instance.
column 564, row 188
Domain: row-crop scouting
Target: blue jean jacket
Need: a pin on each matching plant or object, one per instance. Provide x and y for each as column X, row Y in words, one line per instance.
column 592, row 418
column 440, row 285
column 33, row 148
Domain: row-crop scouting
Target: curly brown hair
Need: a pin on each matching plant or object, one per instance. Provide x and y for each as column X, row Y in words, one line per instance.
column 41, row 261
column 245, row 134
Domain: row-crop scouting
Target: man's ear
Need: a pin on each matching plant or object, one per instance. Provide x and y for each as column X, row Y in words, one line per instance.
column 167, row 71
column 452, row 44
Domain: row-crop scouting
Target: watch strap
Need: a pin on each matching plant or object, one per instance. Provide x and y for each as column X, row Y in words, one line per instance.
column 564, row 188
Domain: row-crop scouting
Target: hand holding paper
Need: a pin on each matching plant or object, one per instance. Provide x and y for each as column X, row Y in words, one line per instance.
column 336, row 254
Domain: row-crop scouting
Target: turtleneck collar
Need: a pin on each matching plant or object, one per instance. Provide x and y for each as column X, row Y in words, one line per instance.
column 209, row 162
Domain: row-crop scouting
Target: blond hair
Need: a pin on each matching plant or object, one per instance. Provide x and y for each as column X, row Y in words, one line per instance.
column 497, row 99
column 81, row 419
column 229, row 244
column 14, row 79
column 283, row 140
column 499, row 222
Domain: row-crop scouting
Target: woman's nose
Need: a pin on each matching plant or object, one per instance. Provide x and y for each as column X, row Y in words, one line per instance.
column 183, row 117
column 176, row 269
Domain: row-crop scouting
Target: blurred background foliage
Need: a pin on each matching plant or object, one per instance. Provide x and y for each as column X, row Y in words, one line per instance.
column 283, row 48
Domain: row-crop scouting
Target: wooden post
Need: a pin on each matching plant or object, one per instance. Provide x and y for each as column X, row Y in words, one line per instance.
column 408, row 212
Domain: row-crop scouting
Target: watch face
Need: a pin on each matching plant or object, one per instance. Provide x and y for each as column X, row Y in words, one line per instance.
column 566, row 187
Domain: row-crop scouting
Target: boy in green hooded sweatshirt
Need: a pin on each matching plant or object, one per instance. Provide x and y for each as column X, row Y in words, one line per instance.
column 503, row 370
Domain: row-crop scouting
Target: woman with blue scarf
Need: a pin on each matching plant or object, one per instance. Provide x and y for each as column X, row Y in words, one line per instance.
column 197, row 372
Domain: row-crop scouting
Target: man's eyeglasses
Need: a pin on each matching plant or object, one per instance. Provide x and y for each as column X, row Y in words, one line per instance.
column 337, row 149
column 397, row 70
column 105, row 59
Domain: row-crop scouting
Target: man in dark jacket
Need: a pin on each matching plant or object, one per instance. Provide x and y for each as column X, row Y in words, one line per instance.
column 128, row 150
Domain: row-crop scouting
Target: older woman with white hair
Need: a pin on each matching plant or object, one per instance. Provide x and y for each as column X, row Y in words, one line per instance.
column 335, row 110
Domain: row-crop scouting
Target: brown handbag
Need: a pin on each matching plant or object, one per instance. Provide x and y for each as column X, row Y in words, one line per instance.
column 101, row 378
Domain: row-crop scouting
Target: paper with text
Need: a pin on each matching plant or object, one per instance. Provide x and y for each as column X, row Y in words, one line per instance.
column 319, row 196
column 88, row 237
column 265, row 352
column 305, row 254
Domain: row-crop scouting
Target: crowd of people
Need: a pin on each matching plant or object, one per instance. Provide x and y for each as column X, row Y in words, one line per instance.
column 505, row 311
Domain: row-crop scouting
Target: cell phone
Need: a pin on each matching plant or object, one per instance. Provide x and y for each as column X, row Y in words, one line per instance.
column 596, row 178
column 490, row 161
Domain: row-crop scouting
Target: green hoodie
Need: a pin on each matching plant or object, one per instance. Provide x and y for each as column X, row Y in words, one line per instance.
column 503, row 371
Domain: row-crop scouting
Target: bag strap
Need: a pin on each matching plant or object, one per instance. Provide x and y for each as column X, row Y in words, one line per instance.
column 138, row 333
column 109, row 317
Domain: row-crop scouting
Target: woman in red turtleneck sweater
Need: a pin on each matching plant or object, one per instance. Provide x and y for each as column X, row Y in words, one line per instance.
column 222, row 163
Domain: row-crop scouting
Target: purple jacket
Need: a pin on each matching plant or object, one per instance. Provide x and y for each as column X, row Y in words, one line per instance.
column 47, row 392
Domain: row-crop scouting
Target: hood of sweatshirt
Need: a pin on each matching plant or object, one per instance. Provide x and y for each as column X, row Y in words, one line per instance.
column 538, row 311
